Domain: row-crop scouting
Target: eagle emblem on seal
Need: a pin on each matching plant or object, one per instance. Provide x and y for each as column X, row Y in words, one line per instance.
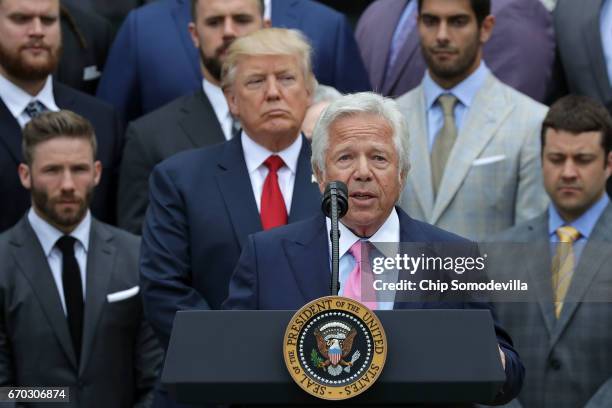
column 335, row 342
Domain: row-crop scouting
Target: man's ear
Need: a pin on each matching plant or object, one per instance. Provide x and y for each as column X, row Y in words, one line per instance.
column 231, row 101
column 609, row 165
column 24, row 176
column 194, row 35
column 320, row 179
column 486, row 28
column 97, row 171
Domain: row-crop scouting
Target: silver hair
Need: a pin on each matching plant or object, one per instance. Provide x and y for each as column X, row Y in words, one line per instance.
column 355, row 104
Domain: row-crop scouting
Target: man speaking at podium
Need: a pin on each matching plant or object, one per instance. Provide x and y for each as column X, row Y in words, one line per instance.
column 360, row 140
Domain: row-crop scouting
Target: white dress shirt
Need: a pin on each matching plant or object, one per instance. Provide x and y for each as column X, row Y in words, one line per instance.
column 219, row 103
column 16, row 99
column 268, row 9
column 255, row 155
column 389, row 232
column 48, row 235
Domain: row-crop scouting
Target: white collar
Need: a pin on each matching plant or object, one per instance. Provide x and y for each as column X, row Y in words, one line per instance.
column 16, row 99
column 255, row 154
column 267, row 9
column 389, row 232
column 48, row 235
column 217, row 99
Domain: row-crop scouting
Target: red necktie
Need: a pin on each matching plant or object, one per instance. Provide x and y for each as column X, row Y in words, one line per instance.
column 273, row 210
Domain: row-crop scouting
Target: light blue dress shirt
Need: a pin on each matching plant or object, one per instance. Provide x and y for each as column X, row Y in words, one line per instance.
column 605, row 24
column 464, row 92
column 584, row 224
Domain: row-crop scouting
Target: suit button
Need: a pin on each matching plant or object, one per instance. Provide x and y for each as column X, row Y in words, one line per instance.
column 555, row 364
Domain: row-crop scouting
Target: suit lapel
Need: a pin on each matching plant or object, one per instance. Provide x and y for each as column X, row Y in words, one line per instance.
column 181, row 15
column 235, row 186
column 594, row 258
column 196, row 111
column 284, row 14
column 401, row 63
column 100, row 264
column 489, row 109
column 33, row 264
column 382, row 45
column 539, row 270
column 308, row 257
column 420, row 172
column 592, row 42
column 10, row 132
column 306, row 194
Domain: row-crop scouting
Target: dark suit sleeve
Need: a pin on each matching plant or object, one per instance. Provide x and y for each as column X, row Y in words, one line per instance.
column 350, row 74
column 148, row 360
column 119, row 82
column 133, row 196
column 7, row 373
column 165, row 260
column 243, row 285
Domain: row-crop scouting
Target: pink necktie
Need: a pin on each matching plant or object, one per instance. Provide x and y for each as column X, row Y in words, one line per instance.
column 353, row 285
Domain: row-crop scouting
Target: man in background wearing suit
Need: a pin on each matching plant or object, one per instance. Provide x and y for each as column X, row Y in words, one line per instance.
column 564, row 334
column 153, row 60
column 474, row 145
column 30, row 44
column 362, row 141
column 389, row 42
column 205, row 202
column 584, row 40
column 70, row 311
column 200, row 119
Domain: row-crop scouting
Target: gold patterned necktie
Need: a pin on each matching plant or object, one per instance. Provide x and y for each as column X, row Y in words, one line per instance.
column 445, row 139
column 563, row 265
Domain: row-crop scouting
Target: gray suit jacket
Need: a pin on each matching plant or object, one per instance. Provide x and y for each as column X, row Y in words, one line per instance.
column 120, row 356
column 579, row 43
column 568, row 362
column 493, row 175
column 188, row 122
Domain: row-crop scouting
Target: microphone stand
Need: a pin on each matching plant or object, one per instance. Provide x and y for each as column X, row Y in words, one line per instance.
column 334, row 235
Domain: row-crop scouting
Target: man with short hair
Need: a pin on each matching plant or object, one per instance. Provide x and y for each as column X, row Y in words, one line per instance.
column 70, row 311
column 362, row 141
column 475, row 152
column 564, row 339
column 200, row 119
column 30, row 48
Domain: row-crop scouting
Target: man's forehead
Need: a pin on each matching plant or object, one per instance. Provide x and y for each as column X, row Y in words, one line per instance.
column 560, row 140
column 211, row 8
column 267, row 63
column 447, row 8
column 30, row 7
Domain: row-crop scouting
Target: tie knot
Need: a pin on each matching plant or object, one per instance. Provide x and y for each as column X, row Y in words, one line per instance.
column 568, row 234
column 34, row 108
column 355, row 250
column 66, row 245
column 273, row 163
column 447, row 102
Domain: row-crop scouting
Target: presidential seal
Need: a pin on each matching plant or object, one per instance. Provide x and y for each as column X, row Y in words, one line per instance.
column 335, row 348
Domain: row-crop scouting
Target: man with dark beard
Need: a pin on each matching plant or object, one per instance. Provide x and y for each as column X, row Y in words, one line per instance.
column 192, row 121
column 475, row 141
column 70, row 314
column 30, row 47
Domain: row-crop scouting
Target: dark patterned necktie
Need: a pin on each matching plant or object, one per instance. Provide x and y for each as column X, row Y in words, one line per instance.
column 34, row 109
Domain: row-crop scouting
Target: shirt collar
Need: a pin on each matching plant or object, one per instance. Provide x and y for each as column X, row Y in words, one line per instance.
column 465, row 91
column 584, row 224
column 255, row 154
column 48, row 234
column 267, row 9
column 388, row 232
column 16, row 99
column 217, row 99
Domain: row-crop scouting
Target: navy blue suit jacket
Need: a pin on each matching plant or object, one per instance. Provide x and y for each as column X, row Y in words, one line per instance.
column 109, row 134
column 153, row 60
column 285, row 268
column 201, row 210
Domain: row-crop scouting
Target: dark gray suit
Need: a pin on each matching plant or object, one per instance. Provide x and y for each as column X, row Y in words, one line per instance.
column 188, row 122
column 120, row 356
column 578, row 35
column 568, row 362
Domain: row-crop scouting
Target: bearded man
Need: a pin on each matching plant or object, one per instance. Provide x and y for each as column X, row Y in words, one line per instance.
column 30, row 48
column 475, row 149
column 71, row 314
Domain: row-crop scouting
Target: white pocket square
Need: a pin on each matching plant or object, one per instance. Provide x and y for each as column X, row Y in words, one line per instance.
column 488, row 160
column 122, row 295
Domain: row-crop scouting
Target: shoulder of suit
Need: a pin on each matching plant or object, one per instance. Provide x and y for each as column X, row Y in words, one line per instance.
column 201, row 157
column 524, row 106
column 122, row 238
column 152, row 121
column 521, row 231
column 411, row 97
column 84, row 100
